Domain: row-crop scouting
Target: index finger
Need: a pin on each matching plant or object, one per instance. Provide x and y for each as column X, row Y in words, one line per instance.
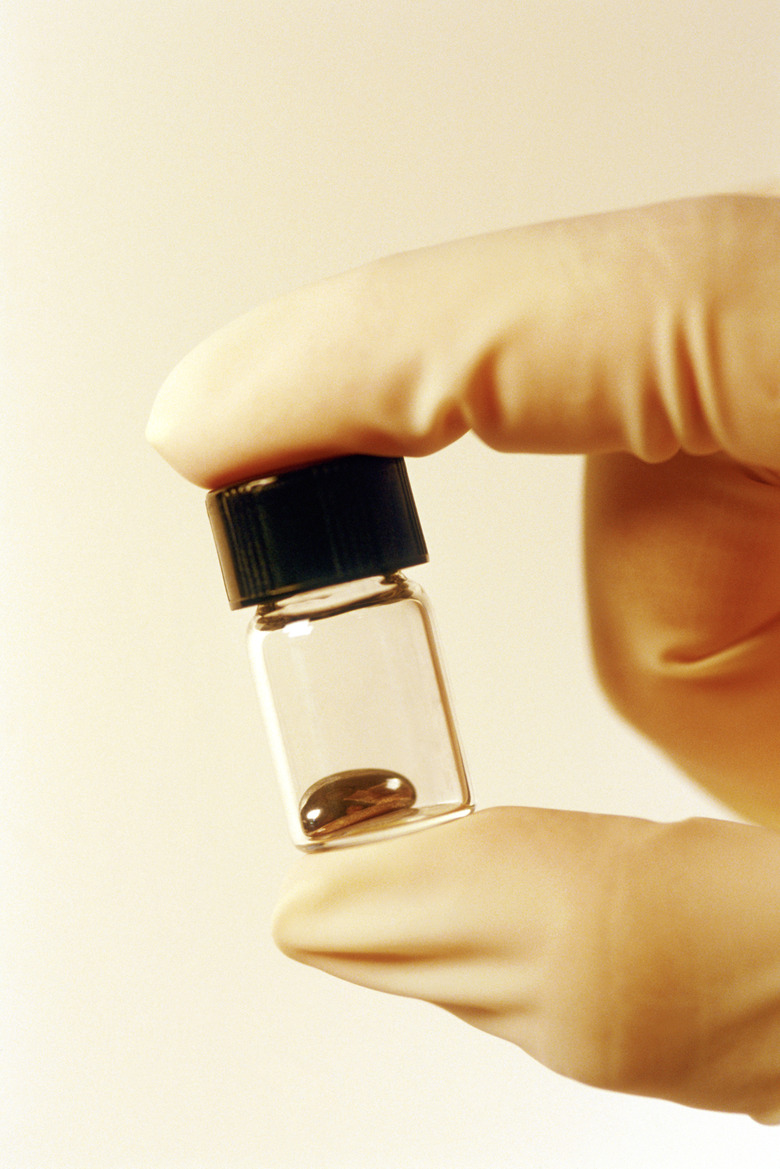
column 649, row 331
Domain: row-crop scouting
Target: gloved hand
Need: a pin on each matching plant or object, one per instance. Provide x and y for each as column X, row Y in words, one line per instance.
column 636, row 956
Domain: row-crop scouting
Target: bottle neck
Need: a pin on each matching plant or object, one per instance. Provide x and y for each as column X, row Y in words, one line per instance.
column 339, row 598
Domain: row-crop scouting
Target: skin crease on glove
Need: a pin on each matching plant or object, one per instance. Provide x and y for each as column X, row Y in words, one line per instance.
column 631, row 955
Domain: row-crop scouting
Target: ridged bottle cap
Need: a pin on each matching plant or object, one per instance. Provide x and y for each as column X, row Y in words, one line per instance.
column 315, row 526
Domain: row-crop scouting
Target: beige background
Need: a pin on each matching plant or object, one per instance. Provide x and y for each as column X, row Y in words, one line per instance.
column 164, row 166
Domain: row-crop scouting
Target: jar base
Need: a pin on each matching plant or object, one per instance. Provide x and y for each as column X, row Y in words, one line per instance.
column 385, row 827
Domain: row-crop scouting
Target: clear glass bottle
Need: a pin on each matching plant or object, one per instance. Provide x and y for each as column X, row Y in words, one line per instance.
column 342, row 648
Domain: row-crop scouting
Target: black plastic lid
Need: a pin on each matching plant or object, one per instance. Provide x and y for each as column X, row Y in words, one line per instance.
column 315, row 526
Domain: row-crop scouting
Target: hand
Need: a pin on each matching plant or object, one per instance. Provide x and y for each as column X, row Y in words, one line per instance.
column 641, row 957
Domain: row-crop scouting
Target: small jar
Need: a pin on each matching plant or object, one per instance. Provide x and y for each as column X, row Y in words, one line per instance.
column 342, row 648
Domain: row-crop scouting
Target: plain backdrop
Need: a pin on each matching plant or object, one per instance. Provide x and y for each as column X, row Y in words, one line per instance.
column 164, row 166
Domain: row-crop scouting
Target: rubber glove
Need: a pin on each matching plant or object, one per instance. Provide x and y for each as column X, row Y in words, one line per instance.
column 635, row 956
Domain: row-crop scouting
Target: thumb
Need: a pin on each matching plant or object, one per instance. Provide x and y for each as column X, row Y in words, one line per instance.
column 649, row 331
column 630, row 955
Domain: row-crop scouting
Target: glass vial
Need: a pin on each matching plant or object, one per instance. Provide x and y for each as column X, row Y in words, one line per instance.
column 342, row 648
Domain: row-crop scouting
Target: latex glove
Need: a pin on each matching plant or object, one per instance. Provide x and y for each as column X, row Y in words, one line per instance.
column 636, row 956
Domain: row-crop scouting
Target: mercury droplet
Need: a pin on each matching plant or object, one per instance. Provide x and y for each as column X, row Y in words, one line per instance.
column 346, row 798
